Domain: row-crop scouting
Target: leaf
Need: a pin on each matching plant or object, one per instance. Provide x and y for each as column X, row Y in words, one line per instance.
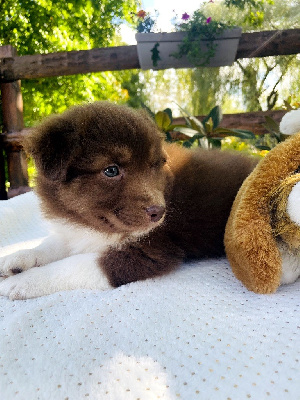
column 197, row 125
column 216, row 115
column 244, row 133
column 172, row 127
column 162, row 120
column 209, row 125
column 188, row 122
column 186, row 131
column 169, row 138
column 272, row 126
column 187, row 144
column 261, row 147
column 169, row 112
column 241, row 133
column 183, row 110
column 155, row 54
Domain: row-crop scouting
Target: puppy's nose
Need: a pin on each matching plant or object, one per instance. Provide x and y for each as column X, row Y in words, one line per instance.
column 155, row 213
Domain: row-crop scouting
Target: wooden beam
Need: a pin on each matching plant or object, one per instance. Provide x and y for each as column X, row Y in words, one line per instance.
column 69, row 63
column 14, row 140
column 269, row 43
column 3, row 193
column 12, row 112
column 5, row 51
column 251, row 121
column 256, row 44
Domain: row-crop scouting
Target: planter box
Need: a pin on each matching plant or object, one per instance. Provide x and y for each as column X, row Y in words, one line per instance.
column 227, row 45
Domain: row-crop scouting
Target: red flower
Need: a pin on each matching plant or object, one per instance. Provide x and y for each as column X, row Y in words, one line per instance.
column 208, row 20
column 141, row 14
column 185, row 16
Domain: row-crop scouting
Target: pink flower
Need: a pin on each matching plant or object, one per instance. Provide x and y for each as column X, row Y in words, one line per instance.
column 185, row 16
column 208, row 20
column 211, row 1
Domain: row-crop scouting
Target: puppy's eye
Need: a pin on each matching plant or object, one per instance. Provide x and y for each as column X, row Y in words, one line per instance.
column 111, row 171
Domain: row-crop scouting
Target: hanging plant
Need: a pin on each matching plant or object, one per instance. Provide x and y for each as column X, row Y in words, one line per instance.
column 199, row 29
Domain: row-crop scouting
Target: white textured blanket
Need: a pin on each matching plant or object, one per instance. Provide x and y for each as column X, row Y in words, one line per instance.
column 195, row 334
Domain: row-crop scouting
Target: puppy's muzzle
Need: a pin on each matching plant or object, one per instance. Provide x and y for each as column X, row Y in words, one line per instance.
column 155, row 213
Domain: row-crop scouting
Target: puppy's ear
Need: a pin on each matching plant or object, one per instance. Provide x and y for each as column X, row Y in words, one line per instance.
column 53, row 145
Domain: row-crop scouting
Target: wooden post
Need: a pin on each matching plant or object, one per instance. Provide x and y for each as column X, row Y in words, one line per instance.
column 3, row 193
column 12, row 112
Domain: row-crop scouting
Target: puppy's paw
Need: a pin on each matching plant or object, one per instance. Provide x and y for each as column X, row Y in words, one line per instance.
column 76, row 272
column 23, row 286
column 13, row 288
column 20, row 261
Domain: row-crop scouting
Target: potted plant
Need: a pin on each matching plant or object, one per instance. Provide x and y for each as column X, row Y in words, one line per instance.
column 198, row 41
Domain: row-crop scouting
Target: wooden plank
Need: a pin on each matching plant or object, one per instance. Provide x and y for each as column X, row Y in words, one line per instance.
column 3, row 193
column 269, row 43
column 250, row 121
column 12, row 111
column 69, row 63
column 256, row 44
column 5, row 52
column 12, row 106
column 14, row 140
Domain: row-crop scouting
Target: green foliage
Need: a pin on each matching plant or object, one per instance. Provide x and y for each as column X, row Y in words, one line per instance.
column 255, row 10
column 132, row 88
column 54, row 95
column 206, row 133
column 44, row 26
column 155, row 54
column 146, row 25
column 145, row 22
column 272, row 138
column 262, row 143
column 31, row 172
column 209, row 134
column 235, row 144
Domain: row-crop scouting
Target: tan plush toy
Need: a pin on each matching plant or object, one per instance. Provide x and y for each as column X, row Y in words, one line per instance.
column 262, row 238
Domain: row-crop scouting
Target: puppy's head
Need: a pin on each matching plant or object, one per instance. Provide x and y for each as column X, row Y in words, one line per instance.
column 103, row 166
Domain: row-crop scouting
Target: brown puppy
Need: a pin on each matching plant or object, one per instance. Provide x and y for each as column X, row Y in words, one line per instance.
column 116, row 190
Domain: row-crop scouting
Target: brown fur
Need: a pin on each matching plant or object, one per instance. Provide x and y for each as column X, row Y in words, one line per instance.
column 195, row 187
column 250, row 237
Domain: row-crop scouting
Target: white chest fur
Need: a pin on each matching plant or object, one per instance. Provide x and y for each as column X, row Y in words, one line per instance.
column 83, row 240
column 67, row 259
